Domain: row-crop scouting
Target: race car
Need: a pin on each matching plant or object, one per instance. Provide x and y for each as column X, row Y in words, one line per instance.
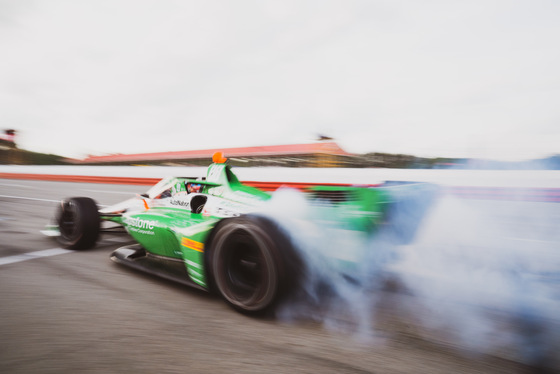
column 212, row 232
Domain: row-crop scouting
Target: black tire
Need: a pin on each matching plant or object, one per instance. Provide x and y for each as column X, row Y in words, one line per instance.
column 251, row 263
column 78, row 222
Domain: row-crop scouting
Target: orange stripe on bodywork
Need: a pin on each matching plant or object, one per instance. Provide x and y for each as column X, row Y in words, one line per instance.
column 197, row 246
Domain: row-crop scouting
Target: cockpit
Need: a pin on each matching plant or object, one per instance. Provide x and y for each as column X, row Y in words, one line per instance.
column 194, row 187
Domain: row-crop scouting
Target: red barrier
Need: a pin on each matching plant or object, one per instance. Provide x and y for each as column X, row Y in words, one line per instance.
column 485, row 193
column 272, row 186
column 267, row 186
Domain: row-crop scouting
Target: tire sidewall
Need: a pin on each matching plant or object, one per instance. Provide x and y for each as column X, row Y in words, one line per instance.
column 266, row 238
column 86, row 223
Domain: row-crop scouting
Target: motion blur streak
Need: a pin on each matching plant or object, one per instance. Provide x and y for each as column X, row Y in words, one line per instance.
column 481, row 276
column 33, row 255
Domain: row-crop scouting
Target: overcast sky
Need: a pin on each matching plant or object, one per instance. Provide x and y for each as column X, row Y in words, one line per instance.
column 476, row 78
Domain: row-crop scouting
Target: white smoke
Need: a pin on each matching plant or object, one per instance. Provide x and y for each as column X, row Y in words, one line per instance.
column 483, row 275
column 488, row 273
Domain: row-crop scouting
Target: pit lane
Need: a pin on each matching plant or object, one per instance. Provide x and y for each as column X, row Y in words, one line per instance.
column 79, row 312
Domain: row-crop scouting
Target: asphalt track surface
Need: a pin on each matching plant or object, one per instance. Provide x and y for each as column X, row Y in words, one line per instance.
column 78, row 312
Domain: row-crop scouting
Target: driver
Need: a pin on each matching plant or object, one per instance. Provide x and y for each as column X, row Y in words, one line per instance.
column 194, row 187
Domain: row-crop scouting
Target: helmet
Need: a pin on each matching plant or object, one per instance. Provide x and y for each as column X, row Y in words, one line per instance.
column 194, row 187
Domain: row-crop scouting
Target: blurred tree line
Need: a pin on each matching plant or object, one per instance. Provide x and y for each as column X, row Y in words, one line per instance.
column 10, row 154
column 15, row 156
column 402, row 161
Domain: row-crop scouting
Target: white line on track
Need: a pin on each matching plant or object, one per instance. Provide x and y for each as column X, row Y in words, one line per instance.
column 29, row 198
column 36, row 199
column 33, row 255
column 16, row 185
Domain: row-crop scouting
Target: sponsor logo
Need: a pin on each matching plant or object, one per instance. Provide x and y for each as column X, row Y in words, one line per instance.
column 183, row 203
column 191, row 244
column 139, row 225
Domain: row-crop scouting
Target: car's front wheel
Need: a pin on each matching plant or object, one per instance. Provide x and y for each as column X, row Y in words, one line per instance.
column 78, row 222
column 251, row 262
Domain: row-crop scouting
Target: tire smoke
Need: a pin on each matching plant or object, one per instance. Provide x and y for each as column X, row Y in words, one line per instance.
column 479, row 275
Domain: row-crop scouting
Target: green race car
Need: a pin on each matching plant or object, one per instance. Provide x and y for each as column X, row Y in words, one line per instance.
column 214, row 233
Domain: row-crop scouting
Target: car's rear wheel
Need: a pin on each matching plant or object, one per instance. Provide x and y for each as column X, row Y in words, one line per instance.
column 78, row 222
column 252, row 263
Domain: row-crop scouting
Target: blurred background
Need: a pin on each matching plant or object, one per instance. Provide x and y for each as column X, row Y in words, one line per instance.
column 348, row 92
column 393, row 82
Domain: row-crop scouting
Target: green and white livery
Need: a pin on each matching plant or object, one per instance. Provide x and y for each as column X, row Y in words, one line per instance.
column 210, row 233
